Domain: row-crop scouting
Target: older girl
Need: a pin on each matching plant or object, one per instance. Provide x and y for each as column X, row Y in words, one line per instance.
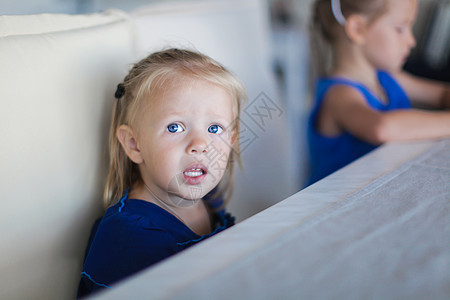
column 363, row 98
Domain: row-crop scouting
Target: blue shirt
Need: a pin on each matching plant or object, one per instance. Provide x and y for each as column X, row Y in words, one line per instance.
column 135, row 234
column 328, row 154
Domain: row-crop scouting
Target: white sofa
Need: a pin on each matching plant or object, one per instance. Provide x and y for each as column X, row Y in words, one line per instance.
column 58, row 74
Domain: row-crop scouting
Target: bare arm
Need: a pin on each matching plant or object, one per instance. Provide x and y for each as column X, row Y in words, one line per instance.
column 345, row 109
column 424, row 91
column 403, row 125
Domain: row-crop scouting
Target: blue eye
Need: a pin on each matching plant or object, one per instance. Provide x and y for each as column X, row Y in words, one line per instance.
column 216, row 129
column 174, row 128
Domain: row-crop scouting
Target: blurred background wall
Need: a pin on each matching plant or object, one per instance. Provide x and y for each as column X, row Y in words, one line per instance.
column 290, row 19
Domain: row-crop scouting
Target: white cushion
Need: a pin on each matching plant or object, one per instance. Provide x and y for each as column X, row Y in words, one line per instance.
column 47, row 23
column 58, row 75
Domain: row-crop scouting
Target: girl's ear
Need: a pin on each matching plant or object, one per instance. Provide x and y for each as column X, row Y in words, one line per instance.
column 355, row 27
column 128, row 140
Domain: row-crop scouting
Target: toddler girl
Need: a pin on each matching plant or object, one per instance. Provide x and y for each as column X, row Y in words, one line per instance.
column 363, row 97
column 173, row 140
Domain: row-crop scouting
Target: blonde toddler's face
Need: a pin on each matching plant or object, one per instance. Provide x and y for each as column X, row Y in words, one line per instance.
column 185, row 138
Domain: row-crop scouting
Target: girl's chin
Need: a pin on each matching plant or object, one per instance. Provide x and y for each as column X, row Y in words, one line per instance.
column 191, row 189
column 188, row 195
column 182, row 200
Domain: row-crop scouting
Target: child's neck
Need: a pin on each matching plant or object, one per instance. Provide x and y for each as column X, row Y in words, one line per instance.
column 197, row 218
column 351, row 65
column 194, row 214
column 364, row 75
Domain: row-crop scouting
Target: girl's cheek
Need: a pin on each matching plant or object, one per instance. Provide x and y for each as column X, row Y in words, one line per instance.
column 228, row 146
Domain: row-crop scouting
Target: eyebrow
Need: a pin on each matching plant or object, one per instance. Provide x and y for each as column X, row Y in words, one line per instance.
column 183, row 113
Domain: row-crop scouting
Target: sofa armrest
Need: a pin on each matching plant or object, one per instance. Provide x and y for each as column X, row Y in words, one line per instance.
column 58, row 74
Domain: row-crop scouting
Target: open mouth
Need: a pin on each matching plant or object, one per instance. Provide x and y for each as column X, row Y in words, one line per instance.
column 194, row 174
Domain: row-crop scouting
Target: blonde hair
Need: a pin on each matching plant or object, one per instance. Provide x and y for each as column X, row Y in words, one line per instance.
column 325, row 29
column 141, row 83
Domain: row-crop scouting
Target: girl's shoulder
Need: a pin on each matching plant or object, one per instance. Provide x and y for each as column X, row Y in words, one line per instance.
column 344, row 89
column 332, row 80
column 332, row 86
column 338, row 88
column 326, row 82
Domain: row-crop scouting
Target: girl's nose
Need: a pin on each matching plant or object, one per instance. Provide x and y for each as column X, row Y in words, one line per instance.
column 196, row 146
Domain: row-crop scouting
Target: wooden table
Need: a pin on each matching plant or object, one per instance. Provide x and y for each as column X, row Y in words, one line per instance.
column 376, row 229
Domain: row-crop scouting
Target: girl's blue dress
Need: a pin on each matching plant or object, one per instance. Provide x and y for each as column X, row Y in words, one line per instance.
column 328, row 154
column 135, row 234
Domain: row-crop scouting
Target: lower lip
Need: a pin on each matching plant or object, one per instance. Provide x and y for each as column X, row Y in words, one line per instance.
column 194, row 180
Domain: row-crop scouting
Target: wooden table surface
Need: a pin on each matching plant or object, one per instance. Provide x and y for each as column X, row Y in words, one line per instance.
column 376, row 229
